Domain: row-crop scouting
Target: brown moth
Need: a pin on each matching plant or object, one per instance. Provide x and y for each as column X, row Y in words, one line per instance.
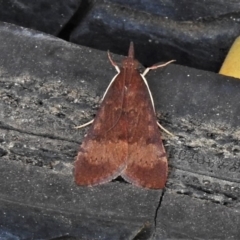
column 124, row 139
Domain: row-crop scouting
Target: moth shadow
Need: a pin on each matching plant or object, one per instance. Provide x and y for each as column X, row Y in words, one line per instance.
column 120, row 179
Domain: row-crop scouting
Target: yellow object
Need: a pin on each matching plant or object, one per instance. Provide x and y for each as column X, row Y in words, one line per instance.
column 231, row 64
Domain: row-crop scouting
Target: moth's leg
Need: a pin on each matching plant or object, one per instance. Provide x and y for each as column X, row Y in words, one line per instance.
column 118, row 70
column 113, row 63
column 156, row 66
column 143, row 75
column 85, row 124
column 164, row 129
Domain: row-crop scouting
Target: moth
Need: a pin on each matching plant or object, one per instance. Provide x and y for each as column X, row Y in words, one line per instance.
column 124, row 139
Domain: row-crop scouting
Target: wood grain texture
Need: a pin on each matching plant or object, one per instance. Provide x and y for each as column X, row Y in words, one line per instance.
column 46, row 90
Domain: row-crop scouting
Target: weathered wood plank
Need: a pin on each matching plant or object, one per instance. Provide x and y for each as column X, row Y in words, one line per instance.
column 47, row 86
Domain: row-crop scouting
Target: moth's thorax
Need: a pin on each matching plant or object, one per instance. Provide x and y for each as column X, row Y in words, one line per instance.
column 130, row 63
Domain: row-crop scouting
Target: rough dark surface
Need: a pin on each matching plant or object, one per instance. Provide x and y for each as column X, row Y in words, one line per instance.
column 47, row 86
column 38, row 203
column 195, row 33
column 185, row 217
column 185, row 10
column 43, row 15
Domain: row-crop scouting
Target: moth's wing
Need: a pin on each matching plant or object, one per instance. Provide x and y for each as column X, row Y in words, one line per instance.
column 103, row 152
column 147, row 163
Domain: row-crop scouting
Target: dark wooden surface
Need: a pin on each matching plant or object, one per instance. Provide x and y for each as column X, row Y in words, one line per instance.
column 196, row 33
column 48, row 86
column 45, row 16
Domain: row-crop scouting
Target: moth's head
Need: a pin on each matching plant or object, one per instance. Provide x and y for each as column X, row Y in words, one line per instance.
column 129, row 61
